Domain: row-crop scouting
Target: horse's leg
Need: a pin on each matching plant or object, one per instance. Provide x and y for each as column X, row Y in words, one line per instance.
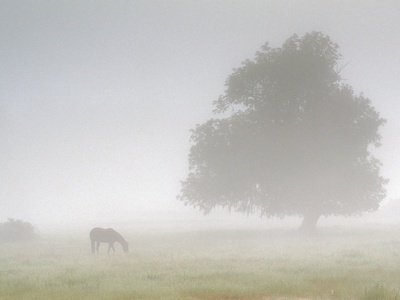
column 97, row 247
column 111, row 246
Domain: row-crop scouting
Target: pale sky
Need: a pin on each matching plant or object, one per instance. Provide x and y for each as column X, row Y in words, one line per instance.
column 97, row 97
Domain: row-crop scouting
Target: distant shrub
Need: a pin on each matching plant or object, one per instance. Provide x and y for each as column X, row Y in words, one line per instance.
column 16, row 230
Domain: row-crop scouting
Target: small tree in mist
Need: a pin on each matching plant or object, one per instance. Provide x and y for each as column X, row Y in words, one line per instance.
column 16, row 230
column 289, row 138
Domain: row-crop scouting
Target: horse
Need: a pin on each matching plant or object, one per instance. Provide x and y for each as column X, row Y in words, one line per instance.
column 107, row 235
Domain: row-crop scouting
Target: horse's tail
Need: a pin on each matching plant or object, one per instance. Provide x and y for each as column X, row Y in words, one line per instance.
column 92, row 242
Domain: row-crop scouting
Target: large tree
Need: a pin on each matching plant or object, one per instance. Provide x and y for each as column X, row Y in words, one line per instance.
column 288, row 138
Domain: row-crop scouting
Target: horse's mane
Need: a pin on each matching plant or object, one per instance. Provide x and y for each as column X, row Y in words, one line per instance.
column 119, row 237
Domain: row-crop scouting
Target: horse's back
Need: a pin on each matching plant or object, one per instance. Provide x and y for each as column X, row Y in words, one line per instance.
column 102, row 234
column 95, row 231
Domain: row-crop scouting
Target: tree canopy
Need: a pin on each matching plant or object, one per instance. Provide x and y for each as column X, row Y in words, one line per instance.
column 288, row 138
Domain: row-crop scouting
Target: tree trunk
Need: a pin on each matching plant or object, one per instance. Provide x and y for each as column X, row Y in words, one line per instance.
column 309, row 222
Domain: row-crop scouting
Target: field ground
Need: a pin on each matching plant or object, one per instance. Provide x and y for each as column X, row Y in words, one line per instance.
column 211, row 264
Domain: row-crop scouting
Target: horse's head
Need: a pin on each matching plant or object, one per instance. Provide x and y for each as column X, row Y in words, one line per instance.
column 125, row 247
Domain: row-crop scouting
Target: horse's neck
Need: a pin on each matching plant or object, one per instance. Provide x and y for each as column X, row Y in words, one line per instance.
column 120, row 239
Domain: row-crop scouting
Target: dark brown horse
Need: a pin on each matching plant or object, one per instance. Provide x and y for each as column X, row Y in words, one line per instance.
column 107, row 235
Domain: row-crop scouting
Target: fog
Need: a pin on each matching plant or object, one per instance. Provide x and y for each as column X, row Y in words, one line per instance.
column 97, row 98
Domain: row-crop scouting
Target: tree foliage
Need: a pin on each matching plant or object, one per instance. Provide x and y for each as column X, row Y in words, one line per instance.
column 288, row 138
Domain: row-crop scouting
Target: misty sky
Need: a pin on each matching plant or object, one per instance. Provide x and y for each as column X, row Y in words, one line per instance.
column 97, row 97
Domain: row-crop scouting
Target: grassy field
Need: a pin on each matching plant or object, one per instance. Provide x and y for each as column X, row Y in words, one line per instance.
column 226, row 264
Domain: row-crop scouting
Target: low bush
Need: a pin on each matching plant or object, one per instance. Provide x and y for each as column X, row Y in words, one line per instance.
column 16, row 230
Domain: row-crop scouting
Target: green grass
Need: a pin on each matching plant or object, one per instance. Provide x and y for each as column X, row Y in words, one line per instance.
column 352, row 264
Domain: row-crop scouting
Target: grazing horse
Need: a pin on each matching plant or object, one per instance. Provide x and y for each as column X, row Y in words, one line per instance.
column 101, row 235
